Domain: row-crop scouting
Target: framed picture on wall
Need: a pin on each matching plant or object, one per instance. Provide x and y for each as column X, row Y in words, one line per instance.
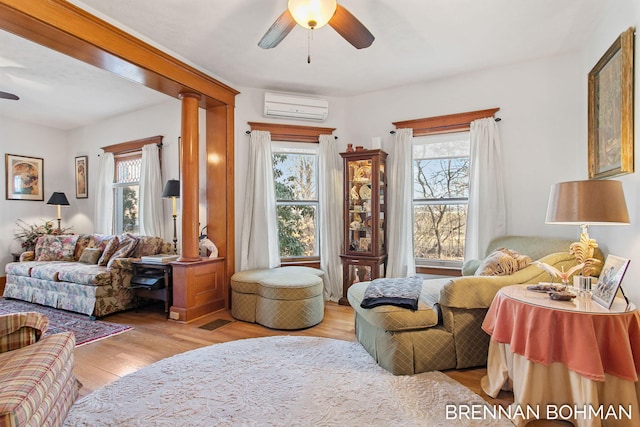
column 82, row 173
column 24, row 177
column 611, row 110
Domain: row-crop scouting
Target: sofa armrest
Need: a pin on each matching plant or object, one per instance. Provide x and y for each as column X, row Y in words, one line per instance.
column 27, row 256
column 479, row 291
column 19, row 330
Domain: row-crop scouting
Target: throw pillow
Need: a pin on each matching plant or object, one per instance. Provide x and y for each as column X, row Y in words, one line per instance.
column 55, row 248
column 90, row 256
column 502, row 262
column 109, row 250
column 125, row 248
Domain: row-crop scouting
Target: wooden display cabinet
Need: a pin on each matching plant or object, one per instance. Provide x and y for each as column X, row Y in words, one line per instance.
column 364, row 253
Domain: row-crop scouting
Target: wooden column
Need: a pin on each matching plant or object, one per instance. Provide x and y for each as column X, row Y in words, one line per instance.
column 189, row 179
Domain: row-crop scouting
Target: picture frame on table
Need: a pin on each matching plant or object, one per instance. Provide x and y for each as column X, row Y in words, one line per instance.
column 609, row 281
column 24, row 177
column 82, row 177
column 610, row 139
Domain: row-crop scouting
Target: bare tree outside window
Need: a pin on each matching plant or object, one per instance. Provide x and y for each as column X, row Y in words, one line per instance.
column 440, row 198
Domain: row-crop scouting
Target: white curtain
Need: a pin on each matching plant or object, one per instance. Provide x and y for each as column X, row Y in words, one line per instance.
column 401, row 261
column 330, row 217
column 103, row 217
column 150, row 197
column 486, row 211
column 259, row 244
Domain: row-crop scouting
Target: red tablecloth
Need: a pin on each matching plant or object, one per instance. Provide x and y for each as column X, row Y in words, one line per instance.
column 588, row 343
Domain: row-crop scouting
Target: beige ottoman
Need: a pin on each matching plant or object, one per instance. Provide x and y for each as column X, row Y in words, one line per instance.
column 278, row 298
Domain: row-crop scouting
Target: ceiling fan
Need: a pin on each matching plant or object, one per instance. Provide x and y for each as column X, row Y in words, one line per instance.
column 313, row 14
column 7, row 95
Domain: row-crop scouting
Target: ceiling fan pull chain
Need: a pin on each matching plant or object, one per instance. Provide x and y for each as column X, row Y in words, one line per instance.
column 309, row 46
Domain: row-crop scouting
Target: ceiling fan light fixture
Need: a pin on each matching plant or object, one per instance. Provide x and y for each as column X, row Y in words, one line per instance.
column 312, row 14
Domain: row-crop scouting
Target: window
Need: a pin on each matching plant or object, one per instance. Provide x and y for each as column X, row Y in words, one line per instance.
column 295, row 172
column 440, row 198
column 126, row 192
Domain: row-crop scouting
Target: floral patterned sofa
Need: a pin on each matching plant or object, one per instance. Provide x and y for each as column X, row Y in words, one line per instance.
column 85, row 273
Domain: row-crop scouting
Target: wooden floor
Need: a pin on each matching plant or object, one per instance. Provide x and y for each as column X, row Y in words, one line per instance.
column 154, row 338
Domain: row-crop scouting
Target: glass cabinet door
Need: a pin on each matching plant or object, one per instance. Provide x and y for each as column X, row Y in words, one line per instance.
column 359, row 205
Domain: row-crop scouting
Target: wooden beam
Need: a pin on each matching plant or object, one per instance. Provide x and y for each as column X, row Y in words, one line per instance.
column 292, row 133
column 71, row 30
column 444, row 124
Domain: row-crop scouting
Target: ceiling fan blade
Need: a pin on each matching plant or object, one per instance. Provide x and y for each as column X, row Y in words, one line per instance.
column 351, row 29
column 278, row 31
column 7, row 95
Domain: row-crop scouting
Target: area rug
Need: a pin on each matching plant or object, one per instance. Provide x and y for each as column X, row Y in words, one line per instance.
column 84, row 329
column 276, row 381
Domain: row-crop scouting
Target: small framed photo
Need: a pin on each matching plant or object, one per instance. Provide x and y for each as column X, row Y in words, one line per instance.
column 81, row 172
column 24, row 177
column 609, row 280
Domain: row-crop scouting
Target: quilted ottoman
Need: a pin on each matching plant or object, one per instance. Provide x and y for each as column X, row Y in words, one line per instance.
column 278, row 298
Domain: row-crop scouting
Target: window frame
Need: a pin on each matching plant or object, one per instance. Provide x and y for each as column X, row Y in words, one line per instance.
column 305, row 148
column 125, row 151
column 439, row 264
column 438, row 125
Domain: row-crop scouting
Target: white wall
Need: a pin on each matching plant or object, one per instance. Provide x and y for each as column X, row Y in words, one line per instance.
column 162, row 119
column 26, row 139
column 623, row 241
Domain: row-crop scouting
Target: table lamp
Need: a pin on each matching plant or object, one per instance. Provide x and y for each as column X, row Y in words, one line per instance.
column 585, row 203
column 172, row 189
column 59, row 199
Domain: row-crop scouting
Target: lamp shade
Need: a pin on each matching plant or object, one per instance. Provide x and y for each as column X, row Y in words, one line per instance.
column 590, row 202
column 58, row 198
column 171, row 188
column 312, row 14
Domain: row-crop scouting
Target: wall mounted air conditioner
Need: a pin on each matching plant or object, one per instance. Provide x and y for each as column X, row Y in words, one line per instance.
column 286, row 106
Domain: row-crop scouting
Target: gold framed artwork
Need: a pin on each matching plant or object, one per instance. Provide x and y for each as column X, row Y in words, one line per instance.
column 611, row 110
column 82, row 173
column 24, row 177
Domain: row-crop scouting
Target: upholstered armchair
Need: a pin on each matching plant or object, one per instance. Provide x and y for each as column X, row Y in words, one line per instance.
column 37, row 384
column 445, row 331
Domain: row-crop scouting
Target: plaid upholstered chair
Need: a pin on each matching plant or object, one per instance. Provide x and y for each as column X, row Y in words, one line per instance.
column 37, row 384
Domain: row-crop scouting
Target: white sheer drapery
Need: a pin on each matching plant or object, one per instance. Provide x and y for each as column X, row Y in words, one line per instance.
column 103, row 217
column 330, row 220
column 401, row 260
column 259, row 244
column 486, row 212
column 150, row 197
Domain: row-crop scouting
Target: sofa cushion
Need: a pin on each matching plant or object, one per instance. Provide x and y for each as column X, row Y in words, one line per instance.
column 22, row 268
column 56, row 248
column 48, row 270
column 502, row 262
column 81, row 244
column 84, row 274
column 147, row 245
column 90, row 256
column 109, row 250
column 126, row 246
column 392, row 318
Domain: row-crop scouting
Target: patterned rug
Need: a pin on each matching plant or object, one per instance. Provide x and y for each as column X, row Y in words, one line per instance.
column 276, row 381
column 84, row 329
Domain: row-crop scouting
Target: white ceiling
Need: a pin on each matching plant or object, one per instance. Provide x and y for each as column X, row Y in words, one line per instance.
column 416, row 40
